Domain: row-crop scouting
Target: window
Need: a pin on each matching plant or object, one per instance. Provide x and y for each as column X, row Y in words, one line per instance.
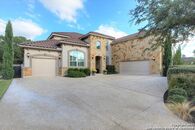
column 107, row 46
column 98, row 44
column 77, row 59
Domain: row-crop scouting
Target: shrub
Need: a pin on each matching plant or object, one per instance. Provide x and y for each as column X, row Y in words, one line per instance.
column 75, row 74
column 176, row 98
column 185, row 82
column 181, row 69
column 86, row 71
column 177, row 91
column 183, row 110
column 193, row 100
column 111, row 69
column 0, row 69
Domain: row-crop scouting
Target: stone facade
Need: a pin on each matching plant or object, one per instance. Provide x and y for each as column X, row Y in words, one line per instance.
column 59, row 46
column 94, row 52
column 26, row 72
column 137, row 50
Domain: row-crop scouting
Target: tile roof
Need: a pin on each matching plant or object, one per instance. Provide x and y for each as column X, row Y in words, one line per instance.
column 52, row 44
column 129, row 37
column 70, row 34
column 71, row 38
column 96, row 33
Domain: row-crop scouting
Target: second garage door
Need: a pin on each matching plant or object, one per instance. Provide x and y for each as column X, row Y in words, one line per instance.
column 43, row 67
column 135, row 68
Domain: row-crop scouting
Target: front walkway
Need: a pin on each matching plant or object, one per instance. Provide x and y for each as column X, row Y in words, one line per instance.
column 100, row 102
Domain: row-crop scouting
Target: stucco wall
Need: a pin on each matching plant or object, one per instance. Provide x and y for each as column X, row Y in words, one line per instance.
column 134, row 50
column 31, row 52
column 65, row 55
column 37, row 53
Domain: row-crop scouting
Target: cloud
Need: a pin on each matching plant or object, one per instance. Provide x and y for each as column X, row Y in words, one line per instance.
column 112, row 31
column 188, row 47
column 64, row 9
column 2, row 26
column 23, row 27
column 75, row 26
column 31, row 10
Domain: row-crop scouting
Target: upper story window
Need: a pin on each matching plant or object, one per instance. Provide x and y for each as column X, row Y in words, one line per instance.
column 107, row 45
column 98, row 44
column 77, row 59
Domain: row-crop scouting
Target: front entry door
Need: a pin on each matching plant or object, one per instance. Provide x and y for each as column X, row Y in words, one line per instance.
column 98, row 64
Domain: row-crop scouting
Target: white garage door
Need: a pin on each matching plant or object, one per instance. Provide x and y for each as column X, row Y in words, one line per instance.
column 43, row 67
column 135, row 68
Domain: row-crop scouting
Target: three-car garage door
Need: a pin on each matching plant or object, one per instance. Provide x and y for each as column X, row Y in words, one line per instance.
column 43, row 67
column 135, row 68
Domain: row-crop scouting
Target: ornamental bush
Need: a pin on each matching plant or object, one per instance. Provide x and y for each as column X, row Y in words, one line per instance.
column 177, row 91
column 183, row 69
column 111, row 69
column 176, row 98
column 78, row 72
column 182, row 77
column 75, row 74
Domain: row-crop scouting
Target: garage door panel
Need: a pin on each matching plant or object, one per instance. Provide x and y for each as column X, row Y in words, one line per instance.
column 43, row 67
column 135, row 68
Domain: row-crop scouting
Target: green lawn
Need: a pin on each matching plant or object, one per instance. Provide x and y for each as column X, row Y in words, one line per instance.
column 4, row 84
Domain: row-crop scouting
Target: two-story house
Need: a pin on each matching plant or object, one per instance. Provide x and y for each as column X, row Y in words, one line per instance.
column 63, row 50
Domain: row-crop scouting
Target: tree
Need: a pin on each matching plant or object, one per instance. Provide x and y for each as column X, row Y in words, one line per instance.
column 18, row 52
column 1, row 48
column 8, row 53
column 167, row 56
column 194, row 53
column 165, row 17
column 177, row 57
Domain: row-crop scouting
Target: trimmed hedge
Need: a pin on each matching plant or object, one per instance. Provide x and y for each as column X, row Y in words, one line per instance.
column 111, row 69
column 185, row 82
column 86, row 71
column 181, row 69
column 182, row 77
column 75, row 74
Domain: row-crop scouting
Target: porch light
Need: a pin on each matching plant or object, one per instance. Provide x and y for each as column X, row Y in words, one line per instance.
column 153, row 58
column 28, row 55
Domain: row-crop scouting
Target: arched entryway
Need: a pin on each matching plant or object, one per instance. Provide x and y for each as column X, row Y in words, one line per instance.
column 98, row 63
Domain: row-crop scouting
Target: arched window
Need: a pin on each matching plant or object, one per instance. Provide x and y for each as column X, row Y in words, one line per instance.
column 77, row 59
column 98, row 44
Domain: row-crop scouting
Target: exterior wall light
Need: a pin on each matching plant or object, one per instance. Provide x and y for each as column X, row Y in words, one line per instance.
column 28, row 55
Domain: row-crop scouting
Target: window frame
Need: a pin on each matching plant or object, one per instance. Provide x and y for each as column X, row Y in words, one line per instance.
column 98, row 47
column 77, row 59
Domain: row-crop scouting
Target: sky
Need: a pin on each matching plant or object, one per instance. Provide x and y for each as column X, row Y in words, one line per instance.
column 36, row 19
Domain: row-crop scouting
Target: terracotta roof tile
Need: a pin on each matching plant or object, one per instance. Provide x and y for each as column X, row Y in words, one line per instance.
column 96, row 33
column 129, row 37
column 42, row 44
column 70, row 34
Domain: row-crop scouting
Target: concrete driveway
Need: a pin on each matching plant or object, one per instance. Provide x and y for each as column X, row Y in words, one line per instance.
column 100, row 102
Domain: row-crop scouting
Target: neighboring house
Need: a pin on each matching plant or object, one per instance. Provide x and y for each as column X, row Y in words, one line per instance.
column 63, row 50
column 132, row 55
